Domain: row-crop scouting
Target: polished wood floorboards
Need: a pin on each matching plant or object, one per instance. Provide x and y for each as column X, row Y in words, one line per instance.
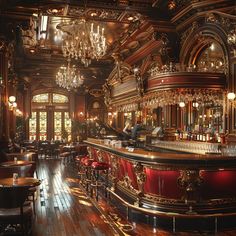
column 63, row 209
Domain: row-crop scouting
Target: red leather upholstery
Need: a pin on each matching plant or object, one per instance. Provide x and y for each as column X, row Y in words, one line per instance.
column 86, row 161
column 79, row 158
column 100, row 165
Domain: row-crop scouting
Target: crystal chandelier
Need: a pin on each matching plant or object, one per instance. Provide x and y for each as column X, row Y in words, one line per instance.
column 84, row 41
column 68, row 77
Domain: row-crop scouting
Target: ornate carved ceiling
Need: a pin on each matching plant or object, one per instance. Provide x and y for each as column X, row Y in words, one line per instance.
column 133, row 28
column 38, row 60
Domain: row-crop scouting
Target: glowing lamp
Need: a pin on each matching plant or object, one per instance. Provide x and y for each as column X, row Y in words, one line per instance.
column 12, row 99
column 182, row 104
column 231, row 96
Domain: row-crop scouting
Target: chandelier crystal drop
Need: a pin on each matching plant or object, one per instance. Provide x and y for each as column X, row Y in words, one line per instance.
column 84, row 41
column 68, row 77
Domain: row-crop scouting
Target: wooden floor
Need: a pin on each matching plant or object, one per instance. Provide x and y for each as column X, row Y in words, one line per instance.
column 63, row 209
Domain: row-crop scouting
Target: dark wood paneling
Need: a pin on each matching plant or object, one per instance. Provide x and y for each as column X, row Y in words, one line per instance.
column 187, row 80
column 128, row 87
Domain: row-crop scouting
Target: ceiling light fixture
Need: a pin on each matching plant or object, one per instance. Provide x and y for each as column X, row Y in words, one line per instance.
column 43, row 27
column 84, row 41
column 68, row 77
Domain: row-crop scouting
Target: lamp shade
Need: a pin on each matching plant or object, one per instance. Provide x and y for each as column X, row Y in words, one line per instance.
column 231, row 96
column 12, row 99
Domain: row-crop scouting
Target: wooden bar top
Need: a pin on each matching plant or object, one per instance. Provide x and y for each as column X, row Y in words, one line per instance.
column 185, row 160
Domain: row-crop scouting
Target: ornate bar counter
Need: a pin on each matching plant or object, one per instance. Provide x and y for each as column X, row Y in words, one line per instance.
column 175, row 185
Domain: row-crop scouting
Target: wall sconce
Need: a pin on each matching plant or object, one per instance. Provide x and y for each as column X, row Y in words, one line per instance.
column 12, row 102
column 81, row 114
column 181, row 104
column 12, row 99
column 231, row 96
column 1, row 81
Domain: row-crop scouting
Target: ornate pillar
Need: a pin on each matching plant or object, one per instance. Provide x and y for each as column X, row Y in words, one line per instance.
column 26, row 108
column 4, row 111
column 114, row 171
column 232, row 79
column 12, row 84
column 141, row 178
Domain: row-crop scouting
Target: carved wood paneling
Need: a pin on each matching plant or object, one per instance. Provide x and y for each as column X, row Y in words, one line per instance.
column 127, row 87
column 187, row 80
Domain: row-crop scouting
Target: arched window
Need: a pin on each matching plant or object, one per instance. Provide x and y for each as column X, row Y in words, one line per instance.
column 41, row 98
column 211, row 58
column 50, row 117
column 50, row 98
column 59, row 98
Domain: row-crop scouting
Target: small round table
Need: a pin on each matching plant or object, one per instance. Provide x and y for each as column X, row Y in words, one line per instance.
column 15, row 163
column 21, row 182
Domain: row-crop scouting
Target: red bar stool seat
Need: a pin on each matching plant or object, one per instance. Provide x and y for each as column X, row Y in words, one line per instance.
column 97, row 165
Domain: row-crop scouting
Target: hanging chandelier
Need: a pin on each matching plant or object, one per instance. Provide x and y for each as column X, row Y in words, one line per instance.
column 83, row 41
column 68, row 77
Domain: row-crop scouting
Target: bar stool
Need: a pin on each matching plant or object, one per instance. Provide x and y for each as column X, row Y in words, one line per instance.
column 97, row 168
column 85, row 169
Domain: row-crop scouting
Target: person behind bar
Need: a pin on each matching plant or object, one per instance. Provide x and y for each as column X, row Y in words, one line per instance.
column 137, row 127
column 127, row 128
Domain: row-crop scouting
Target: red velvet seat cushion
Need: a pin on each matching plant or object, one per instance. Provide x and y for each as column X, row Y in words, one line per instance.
column 86, row 161
column 79, row 158
column 97, row 165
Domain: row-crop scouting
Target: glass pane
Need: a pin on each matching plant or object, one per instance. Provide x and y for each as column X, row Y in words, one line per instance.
column 211, row 59
column 32, row 126
column 58, row 98
column 68, row 125
column 42, row 125
column 57, row 126
column 41, row 98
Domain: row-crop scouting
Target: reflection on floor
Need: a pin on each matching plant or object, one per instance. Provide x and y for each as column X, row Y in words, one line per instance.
column 63, row 209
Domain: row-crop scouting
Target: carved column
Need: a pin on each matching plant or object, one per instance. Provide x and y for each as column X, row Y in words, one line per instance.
column 4, row 111
column 26, row 109
column 141, row 178
column 114, row 171
column 89, row 152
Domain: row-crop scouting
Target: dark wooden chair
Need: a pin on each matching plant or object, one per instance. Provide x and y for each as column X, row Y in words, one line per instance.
column 43, row 148
column 23, row 171
column 13, row 209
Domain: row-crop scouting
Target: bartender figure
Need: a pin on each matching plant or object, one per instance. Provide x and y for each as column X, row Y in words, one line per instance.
column 137, row 127
column 127, row 128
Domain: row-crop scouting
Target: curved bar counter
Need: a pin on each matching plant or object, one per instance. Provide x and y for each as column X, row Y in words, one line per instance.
column 171, row 184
